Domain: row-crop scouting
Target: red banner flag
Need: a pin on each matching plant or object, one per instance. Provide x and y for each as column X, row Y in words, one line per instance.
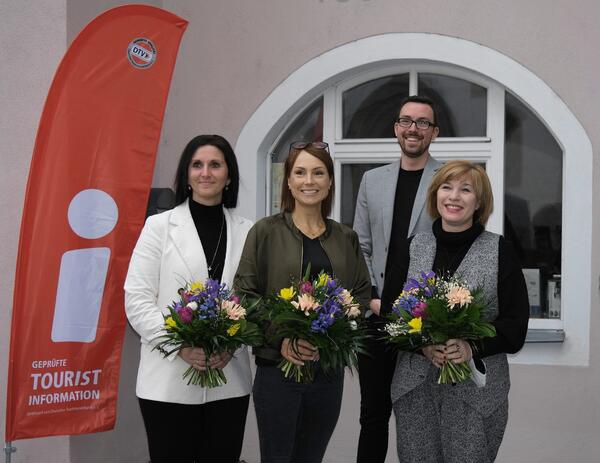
column 89, row 180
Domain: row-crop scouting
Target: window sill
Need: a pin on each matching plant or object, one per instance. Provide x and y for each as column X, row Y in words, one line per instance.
column 541, row 335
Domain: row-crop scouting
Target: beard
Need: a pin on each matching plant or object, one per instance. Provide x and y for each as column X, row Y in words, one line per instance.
column 415, row 151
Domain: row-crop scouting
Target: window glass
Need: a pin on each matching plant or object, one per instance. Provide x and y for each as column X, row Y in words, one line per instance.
column 350, row 182
column 533, row 165
column 462, row 105
column 370, row 109
column 307, row 126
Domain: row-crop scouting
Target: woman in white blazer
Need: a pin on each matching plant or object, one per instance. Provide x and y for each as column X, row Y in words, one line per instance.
column 197, row 239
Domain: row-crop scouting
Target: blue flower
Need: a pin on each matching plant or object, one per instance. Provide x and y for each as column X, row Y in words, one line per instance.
column 408, row 302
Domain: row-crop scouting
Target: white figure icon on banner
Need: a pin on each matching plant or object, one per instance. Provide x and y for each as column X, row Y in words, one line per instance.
column 92, row 214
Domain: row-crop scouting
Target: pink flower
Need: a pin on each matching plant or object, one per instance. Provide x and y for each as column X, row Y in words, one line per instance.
column 186, row 314
column 234, row 311
column 420, row 310
column 458, row 295
column 306, row 303
column 352, row 308
column 235, row 299
column 305, row 287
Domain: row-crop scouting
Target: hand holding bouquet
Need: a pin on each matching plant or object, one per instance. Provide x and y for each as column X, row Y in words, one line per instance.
column 434, row 309
column 323, row 314
column 209, row 316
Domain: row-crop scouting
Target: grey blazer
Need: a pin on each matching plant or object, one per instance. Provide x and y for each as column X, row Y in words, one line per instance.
column 375, row 209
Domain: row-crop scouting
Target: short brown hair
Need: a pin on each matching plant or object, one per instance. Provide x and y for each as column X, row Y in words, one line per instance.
column 481, row 186
column 288, row 203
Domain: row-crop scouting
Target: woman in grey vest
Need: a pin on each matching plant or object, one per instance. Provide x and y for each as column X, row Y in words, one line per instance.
column 463, row 422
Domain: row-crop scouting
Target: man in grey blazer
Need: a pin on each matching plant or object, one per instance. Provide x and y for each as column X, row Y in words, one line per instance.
column 389, row 210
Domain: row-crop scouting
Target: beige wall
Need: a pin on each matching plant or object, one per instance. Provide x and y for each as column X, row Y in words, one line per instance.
column 233, row 55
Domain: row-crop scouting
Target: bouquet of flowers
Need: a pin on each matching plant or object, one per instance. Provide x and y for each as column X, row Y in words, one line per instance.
column 431, row 310
column 322, row 313
column 209, row 316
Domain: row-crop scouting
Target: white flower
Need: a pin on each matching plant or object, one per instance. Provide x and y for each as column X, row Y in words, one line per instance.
column 192, row 305
column 353, row 324
column 396, row 328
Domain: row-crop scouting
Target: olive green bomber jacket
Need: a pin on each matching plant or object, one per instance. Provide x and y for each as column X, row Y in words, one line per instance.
column 272, row 258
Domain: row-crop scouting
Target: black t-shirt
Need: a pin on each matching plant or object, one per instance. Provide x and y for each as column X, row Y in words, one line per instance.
column 314, row 254
column 406, row 191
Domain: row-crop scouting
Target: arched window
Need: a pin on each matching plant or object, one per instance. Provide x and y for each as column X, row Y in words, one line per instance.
column 499, row 115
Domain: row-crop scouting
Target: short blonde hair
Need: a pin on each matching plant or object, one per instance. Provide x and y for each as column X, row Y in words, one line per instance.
column 481, row 186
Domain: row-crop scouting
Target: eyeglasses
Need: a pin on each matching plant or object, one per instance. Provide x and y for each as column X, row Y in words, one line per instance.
column 421, row 124
column 300, row 145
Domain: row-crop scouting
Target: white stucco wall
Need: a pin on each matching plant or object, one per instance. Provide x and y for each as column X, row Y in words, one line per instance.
column 233, row 55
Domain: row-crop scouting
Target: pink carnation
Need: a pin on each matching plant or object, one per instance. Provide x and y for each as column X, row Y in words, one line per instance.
column 186, row 314
column 305, row 287
column 420, row 310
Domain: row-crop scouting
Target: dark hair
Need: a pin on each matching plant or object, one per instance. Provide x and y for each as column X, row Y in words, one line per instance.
column 423, row 100
column 288, row 203
column 230, row 194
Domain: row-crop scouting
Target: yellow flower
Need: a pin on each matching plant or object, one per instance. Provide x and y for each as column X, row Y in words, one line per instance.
column 233, row 329
column 416, row 324
column 170, row 323
column 287, row 293
column 323, row 279
column 196, row 286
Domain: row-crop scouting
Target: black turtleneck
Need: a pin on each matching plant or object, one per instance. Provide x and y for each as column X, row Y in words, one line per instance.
column 210, row 224
column 451, row 248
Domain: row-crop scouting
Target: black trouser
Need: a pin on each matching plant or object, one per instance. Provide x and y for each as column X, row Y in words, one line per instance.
column 295, row 420
column 375, row 373
column 210, row 432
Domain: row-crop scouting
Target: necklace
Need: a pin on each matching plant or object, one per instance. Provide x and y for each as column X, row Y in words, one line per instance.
column 210, row 266
column 312, row 235
column 452, row 258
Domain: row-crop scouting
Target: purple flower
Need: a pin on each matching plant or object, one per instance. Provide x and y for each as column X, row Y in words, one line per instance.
column 186, row 314
column 411, row 284
column 235, row 299
column 427, row 276
column 322, row 323
column 420, row 310
column 305, row 287
column 332, row 288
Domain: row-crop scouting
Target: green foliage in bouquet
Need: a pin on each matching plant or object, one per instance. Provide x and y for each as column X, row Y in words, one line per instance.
column 209, row 316
column 322, row 313
column 433, row 309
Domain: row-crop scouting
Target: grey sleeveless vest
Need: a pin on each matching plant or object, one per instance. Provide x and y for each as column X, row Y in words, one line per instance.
column 479, row 269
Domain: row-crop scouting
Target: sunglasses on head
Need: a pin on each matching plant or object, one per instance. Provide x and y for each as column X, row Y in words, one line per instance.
column 300, row 145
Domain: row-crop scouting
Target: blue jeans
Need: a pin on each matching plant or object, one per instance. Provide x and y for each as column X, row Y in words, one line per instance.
column 295, row 420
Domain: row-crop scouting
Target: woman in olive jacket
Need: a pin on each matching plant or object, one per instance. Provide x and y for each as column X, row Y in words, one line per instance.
column 296, row 420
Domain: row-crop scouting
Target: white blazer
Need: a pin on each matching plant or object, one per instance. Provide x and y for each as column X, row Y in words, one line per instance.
column 167, row 255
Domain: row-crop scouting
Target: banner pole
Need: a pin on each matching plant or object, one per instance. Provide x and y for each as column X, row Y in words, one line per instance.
column 8, row 451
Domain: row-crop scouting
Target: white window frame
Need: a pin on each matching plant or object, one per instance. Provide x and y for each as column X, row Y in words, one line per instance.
column 343, row 62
